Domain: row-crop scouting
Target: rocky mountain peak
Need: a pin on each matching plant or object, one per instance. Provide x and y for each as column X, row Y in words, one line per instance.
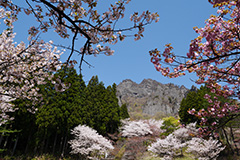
column 152, row 96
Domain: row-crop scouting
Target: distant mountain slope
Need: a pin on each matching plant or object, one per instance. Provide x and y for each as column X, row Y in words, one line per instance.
column 151, row 96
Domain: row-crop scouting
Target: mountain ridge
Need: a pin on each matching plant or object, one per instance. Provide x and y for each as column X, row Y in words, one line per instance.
column 151, row 97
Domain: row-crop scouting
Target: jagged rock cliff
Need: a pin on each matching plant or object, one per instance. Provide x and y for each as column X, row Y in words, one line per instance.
column 152, row 96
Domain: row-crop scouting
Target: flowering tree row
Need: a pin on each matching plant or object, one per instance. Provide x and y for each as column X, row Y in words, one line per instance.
column 172, row 146
column 213, row 56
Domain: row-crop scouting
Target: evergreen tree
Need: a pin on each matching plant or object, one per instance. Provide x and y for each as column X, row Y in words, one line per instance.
column 124, row 112
column 196, row 100
column 103, row 107
column 24, row 126
column 112, row 118
column 62, row 111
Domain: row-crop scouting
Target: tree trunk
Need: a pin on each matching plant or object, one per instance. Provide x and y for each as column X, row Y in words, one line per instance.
column 5, row 144
column 64, row 145
column 54, row 143
column 225, row 134
column 233, row 139
column 15, row 145
column 2, row 135
column 46, row 146
column 61, row 144
column 28, row 140
column 43, row 141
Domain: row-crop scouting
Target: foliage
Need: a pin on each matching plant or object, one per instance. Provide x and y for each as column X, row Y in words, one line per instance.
column 169, row 125
column 48, row 130
column 89, row 143
column 214, row 57
column 120, row 153
column 62, row 110
column 23, row 67
column 103, row 110
column 26, row 70
column 196, row 100
column 124, row 112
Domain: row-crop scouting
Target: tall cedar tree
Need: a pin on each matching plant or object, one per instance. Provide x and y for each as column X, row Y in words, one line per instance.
column 62, row 110
column 124, row 112
column 24, row 125
column 102, row 106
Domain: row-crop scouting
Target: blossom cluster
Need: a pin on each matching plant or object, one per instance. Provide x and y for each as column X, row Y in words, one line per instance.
column 172, row 145
column 217, row 112
column 22, row 69
column 89, row 143
column 140, row 127
column 204, row 149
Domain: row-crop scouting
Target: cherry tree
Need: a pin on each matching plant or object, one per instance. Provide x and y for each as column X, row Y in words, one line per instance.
column 205, row 149
column 214, row 57
column 88, row 143
column 141, row 127
column 186, row 137
column 167, row 148
column 172, row 145
column 22, row 68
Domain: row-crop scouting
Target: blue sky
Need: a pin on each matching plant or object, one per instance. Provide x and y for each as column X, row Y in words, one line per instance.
column 131, row 59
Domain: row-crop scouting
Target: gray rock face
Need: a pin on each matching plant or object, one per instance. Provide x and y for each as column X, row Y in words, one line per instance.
column 152, row 96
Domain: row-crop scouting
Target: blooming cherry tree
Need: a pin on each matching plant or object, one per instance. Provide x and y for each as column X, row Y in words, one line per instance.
column 88, row 143
column 135, row 128
column 204, row 149
column 168, row 148
column 140, row 128
column 22, row 69
column 172, row 145
column 214, row 57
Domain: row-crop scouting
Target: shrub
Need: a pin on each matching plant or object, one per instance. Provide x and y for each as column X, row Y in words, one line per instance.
column 169, row 125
